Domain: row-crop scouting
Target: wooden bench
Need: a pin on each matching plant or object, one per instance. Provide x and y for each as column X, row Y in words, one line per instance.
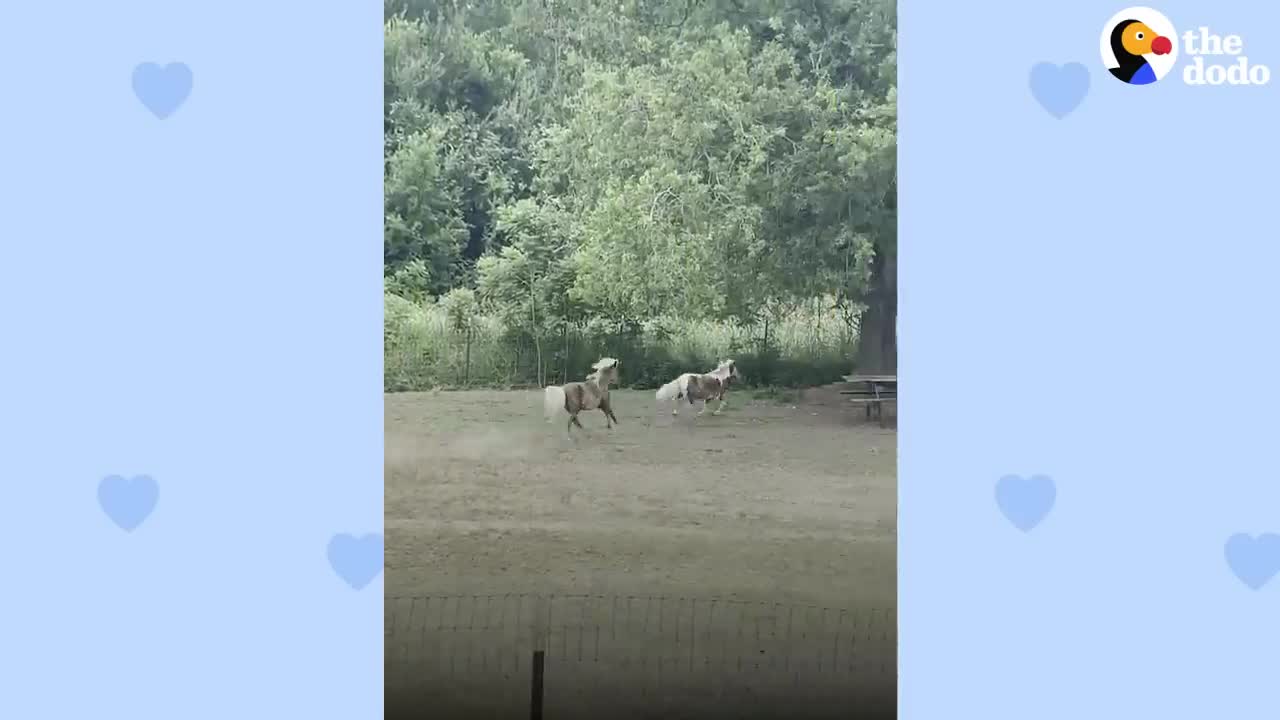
column 872, row 391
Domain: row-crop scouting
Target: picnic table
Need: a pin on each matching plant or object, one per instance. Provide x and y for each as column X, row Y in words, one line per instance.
column 872, row 391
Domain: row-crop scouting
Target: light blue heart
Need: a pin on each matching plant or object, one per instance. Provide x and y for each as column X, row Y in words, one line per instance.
column 356, row 560
column 162, row 89
column 1025, row 501
column 128, row 502
column 1254, row 560
column 1059, row 90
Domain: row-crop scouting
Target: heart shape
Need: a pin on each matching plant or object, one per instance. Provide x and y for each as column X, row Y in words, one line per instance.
column 162, row 89
column 1254, row 560
column 128, row 502
column 356, row 560
column 1059, row 90
column 1026, row 501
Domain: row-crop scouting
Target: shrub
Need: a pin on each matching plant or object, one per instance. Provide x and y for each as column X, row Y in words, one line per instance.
column 451, row 343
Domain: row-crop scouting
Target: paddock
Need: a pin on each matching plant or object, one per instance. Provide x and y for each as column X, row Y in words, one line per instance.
column 749, row 556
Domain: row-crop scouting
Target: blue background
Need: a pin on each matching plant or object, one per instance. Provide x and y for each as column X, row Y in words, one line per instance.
column 198, row 299
column 1094, row 299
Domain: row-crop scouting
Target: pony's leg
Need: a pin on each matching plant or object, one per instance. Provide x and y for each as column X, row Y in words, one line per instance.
column 719, row 405
column 573, row 420
column 703, row 408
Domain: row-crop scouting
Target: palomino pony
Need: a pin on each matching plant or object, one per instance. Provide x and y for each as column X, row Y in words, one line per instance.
column 693, row 386
column 590, row 394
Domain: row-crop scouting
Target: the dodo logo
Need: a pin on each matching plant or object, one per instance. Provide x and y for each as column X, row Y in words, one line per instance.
column 1139, row 45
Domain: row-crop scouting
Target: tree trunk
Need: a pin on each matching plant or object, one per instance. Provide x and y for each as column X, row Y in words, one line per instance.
column 537, row 349
column 533, row 327
column 766, row 359
column 877, row 350
column 466, row 367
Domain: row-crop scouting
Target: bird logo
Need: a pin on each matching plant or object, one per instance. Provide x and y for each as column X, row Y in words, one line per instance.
column 1138, row 46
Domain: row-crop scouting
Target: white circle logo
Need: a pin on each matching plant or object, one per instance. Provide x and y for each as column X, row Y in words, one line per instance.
column 1139, row 45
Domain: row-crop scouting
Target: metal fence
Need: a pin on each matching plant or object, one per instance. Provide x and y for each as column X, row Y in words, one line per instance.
column 637, row 656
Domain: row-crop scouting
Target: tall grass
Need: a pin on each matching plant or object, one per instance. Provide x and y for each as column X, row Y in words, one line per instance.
column 421, row 350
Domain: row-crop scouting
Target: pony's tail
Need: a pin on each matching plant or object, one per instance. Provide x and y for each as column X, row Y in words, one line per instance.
column 553, row 402
column 670, row 390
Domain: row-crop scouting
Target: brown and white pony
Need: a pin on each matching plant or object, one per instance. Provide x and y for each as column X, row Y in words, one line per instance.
column 591, row 394
column 704, row 387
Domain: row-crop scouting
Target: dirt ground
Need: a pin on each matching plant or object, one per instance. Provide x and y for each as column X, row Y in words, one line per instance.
column 775, row 510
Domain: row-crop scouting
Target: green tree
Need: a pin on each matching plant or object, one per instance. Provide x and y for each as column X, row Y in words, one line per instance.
column 422, row 221
column 588, row 164
column 527, row 282
column 727, row 180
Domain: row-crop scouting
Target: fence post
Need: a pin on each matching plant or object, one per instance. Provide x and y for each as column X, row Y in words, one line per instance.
column 538, row 637
column 535, row 702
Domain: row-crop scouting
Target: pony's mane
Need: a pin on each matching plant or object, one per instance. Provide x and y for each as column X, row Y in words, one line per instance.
column 601, row 365
column 724, row 365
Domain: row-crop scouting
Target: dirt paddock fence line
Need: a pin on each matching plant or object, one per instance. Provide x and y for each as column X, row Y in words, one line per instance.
column 669, row 655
